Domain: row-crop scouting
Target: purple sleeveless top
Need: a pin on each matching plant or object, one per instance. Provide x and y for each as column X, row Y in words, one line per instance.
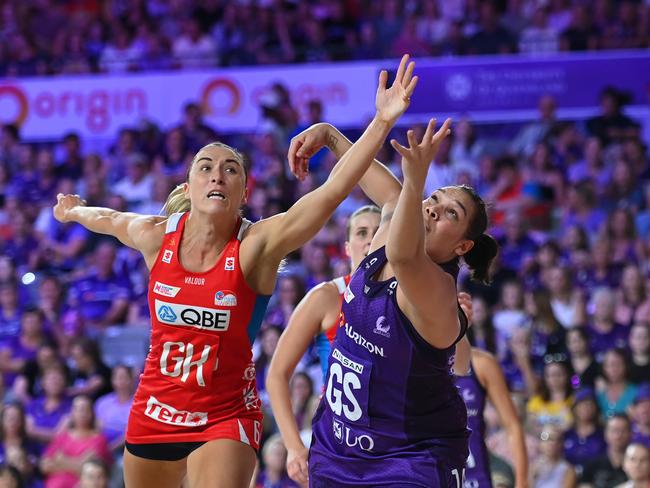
column 477, row 469
column 391, row 412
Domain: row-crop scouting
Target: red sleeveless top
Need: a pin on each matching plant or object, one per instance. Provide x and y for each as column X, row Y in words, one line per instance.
column 199, row 370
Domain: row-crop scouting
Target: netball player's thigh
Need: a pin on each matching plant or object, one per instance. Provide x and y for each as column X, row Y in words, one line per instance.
column 145, row 473
column 222, row 463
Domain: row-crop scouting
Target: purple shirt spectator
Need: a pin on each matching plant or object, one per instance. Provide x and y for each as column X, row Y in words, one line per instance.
column 602, row 341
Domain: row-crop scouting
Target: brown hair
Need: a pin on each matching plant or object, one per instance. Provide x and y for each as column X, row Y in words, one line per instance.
column 177, row 201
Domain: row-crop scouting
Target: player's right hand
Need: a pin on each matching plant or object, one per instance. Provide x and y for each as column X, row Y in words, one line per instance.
column 64, row 205
column 297, row 466
column 304, row 146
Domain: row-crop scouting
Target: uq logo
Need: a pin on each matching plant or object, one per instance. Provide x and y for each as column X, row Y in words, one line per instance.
column 344, row 434
column 178, row 360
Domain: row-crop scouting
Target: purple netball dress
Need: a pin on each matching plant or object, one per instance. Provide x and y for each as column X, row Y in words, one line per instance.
column 391, row 414
column 477, row 469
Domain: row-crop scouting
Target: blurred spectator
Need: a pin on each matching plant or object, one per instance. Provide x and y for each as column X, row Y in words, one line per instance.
column 639, row 343
column 94, row 474
column 552, row 405
column 641, row 415
column 636, row 465
column 136, row 187
column 612, row 125
column 101, row 295
column 90, row 376
column 10, row 313
column 491, row 38
column 510, row 314
column 539, row 37
column 482, row 334
column 581, row 35
column 274, row 474
column 585, row 440
column 615, row 393
column 548, row 337
column 604, row 331
column 303, row 400
column 48, row 412
column 290, row 291
column 268, row 340
column 112, row 409
column 10, row 477
column 29, row 382
column 16, row 449
column 22, row 348
column 551, row 469
column 533, row 133
column 63, row 459
column 606, row 471
column 583, row 363
column 632, row 299
column 566, row 301
column 193, row 48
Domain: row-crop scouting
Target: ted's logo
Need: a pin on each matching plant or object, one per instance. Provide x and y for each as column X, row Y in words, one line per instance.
column 161, row 412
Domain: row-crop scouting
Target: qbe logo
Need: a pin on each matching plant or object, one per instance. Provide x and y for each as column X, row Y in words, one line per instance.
column 191, row 316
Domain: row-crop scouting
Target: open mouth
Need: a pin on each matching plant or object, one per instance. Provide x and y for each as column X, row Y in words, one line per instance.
column 216, row 195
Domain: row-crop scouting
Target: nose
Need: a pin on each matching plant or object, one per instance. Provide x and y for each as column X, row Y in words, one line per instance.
column 431, row 212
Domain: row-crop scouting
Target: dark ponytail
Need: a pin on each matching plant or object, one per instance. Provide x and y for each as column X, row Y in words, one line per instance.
column 480, row 257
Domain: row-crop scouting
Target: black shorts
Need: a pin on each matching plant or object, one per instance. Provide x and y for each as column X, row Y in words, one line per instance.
column 164, row 451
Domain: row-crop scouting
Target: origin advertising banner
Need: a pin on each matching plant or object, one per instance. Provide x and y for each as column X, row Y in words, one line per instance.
column 97, row 106
column 489, row 88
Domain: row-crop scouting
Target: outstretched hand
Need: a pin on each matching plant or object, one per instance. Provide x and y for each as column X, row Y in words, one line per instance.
column 418, row 156
column 64, row 204
column 392, row 102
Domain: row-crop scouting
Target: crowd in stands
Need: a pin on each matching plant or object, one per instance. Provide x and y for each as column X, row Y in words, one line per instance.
column 83, row 36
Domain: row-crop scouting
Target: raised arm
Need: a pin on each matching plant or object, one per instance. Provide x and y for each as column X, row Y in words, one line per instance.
column 290, row 230
column 305, row 322
column 141, row 232
column 426, row 292
column 491, row 377
column 378, row 183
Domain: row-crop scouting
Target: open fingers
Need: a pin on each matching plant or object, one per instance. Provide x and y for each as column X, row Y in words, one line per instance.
column 404, row 152
column 428, row 134
column 411, row 86
column 383, row 79
column 402, row 68
column 443, row 132
column 410, row 136
column 408, row 74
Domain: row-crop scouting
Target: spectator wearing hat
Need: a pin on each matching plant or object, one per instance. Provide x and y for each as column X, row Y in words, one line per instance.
column 585, row 440
column 640, row 412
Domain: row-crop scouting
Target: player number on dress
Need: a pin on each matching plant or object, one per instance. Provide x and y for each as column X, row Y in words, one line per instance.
column 341, row 385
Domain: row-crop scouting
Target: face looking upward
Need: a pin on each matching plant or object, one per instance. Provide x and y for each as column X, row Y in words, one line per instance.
column 447, row 215
column 216, row 181
column 362, row 229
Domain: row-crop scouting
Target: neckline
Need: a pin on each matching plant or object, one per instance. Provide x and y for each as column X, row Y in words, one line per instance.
column 221, row 256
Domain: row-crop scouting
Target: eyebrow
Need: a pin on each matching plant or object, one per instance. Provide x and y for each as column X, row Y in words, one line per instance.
column 229, row 160
column 435, row 197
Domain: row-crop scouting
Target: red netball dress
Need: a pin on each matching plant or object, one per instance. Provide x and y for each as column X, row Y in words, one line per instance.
column 198, row 382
